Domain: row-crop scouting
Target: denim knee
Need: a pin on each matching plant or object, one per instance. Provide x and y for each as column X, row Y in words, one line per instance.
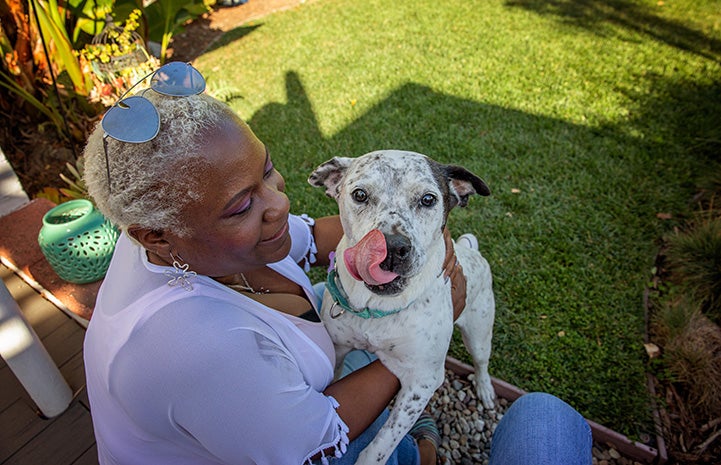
column 542, row 429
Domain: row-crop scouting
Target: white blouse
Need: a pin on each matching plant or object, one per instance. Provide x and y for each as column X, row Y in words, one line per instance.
column 207, row 376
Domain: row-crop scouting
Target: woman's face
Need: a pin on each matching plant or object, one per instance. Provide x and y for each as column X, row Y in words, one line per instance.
column 240, row 222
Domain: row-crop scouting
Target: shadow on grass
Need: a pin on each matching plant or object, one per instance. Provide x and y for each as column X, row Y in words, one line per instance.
column 684, row 113
column 578, row 254
column 232, row 35
column 632, row 16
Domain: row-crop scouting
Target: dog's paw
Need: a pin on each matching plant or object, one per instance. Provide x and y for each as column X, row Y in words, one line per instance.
column 485, row 393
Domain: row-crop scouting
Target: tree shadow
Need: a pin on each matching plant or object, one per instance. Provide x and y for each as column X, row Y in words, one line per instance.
column 232, row 35
column 200, row 37
column 686, row 113
column 640, row 18
column 415, row 117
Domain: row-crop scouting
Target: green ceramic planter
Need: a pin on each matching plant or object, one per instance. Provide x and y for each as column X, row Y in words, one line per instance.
column 78, row 241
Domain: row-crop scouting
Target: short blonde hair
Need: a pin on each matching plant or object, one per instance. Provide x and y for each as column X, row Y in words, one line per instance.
column 151, row 182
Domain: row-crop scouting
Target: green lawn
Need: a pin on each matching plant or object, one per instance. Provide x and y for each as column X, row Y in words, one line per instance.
column 586, row 119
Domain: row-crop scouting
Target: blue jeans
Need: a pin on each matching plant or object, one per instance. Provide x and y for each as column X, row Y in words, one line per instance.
column 541, row 429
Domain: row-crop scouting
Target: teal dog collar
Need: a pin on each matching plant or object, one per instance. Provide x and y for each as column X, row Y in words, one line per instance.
column 340, row 299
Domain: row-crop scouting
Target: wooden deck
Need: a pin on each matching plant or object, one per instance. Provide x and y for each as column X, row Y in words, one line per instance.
column 25, row 437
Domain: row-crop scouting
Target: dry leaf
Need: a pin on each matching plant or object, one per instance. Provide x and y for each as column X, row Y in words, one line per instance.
column 664, row 216
column 652, row 350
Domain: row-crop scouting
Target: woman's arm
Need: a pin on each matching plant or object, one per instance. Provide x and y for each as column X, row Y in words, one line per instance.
column 362, row 395
column 327, row 232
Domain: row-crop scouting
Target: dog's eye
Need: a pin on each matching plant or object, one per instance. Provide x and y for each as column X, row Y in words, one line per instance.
column 360, row 196
column 428, row 200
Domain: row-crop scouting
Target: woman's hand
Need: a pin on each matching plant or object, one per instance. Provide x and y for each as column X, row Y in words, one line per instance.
column 454, row 271
column 327, row 232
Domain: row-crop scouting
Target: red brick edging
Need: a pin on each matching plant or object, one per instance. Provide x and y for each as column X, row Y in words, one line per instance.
column 19, row 251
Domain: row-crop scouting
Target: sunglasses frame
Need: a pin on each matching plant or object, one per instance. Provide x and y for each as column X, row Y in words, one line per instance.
column 135, row 119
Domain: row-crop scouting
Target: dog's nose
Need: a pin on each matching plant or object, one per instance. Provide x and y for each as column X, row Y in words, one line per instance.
column 399, row 248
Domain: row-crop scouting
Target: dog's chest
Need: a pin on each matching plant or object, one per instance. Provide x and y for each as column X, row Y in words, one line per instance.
column 426, row 324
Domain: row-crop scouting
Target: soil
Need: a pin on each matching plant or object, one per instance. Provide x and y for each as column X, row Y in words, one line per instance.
column 36, row 151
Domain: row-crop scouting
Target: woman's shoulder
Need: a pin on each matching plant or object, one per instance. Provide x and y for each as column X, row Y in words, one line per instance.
column 212, row 310
column 198, row 329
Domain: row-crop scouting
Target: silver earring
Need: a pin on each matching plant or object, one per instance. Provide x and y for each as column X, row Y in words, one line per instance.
column 180, row 274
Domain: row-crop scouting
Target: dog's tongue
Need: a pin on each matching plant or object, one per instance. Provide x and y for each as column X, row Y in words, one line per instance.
column 363, row 259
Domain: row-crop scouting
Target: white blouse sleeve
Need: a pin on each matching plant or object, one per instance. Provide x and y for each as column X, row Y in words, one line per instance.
column 303, row 248
column 227, row 387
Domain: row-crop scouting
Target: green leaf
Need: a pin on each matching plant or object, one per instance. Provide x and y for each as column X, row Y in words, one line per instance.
column 50, row 193
column 71, row 193
column 73, row 185
column 64, row 56
column 73, row 171
column 90, row 15
column 166, row 18
column 52, row 114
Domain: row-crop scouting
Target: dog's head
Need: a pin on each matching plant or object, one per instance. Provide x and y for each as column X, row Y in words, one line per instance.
column 393, row 206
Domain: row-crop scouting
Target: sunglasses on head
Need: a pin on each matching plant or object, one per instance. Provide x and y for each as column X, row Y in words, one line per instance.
column 135, row 119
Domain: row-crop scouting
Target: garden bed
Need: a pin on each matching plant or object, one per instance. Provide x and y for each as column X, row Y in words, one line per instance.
column 466, row 429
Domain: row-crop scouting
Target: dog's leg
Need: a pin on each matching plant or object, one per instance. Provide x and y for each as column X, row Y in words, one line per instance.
column 476, row 321
column 480, row 350
column 408, row 407
column 414, row 395
column 477, row 340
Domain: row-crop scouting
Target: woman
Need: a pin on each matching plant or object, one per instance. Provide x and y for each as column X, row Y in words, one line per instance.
column 204, row 346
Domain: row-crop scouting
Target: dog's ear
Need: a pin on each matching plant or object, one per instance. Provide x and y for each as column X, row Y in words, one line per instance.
column 330, row 174
column 463, row 184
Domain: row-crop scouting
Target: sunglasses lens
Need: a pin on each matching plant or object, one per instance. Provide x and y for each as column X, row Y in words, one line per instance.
column 178, row 79
column 133, row 119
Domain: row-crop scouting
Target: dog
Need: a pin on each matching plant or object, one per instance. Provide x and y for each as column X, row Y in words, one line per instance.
column 387, row 292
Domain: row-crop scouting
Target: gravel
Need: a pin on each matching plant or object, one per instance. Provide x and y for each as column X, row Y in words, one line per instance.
column 466, row 428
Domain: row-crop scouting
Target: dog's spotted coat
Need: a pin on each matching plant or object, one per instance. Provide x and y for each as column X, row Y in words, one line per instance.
column 407, row 196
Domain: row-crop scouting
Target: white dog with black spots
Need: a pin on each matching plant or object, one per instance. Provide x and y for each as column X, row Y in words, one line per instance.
column 387, row 293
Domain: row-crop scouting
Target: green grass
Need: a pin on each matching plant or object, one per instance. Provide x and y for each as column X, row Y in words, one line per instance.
column 585, row 118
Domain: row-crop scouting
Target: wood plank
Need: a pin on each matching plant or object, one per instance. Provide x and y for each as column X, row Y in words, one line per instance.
column 64, row 346
column 10, row 389
column 20, row 423
column 74, row 372
column 63, row 442
column 90, row 457
column 42, row 315
column 65, row 342
column 25, row 437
